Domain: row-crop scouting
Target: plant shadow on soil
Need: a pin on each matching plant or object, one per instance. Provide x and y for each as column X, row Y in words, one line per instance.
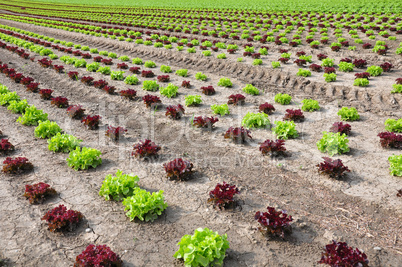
column 195, row 178
column 170, row 215
column 105, row 166
column 297, row 237
column 355, row 152
column 77, row 232
column 351, row 178
column 13, row 153
column 301, row 236
column 24, row 176
column 248, row 205
column 127, row 264
column 303, row 136
column 4, row 262
column 198, row 178
column 48, row 200
column 232, row 256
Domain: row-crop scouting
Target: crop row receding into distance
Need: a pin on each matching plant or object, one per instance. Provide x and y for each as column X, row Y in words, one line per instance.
column 289, row 128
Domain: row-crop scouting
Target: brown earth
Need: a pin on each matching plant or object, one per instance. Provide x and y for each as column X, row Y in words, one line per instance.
column 362, row 209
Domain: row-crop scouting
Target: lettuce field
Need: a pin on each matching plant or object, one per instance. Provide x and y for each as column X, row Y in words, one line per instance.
column 200, row 133
column 285, row 5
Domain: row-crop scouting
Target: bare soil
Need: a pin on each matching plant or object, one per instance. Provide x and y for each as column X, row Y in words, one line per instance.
column 361, row 209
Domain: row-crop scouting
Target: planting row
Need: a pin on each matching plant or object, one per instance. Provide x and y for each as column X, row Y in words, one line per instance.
column 333, row 168
column 266, row 76
column 145, row 206
column 334, row 246
column 283, row 130
column 167, row 40
column 248, row 33
column 172, row 90
column 205, row 247
column 204, row 8
column 59, row 218
column 58, row 142
column 346, row 65
column 140, row 203
column 388, row 140
column 236, row 26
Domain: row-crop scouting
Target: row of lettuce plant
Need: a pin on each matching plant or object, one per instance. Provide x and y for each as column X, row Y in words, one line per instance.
column 172, row 111
column 276, row 223
column 361, row 79
column 251, row 27
column 175, row 170
column 230, row 11
column 165, row 40
column 59, row 218
column 140, row 203
column 239, row 133
column 203, row 11
column 345, row 65
column 45, row 129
